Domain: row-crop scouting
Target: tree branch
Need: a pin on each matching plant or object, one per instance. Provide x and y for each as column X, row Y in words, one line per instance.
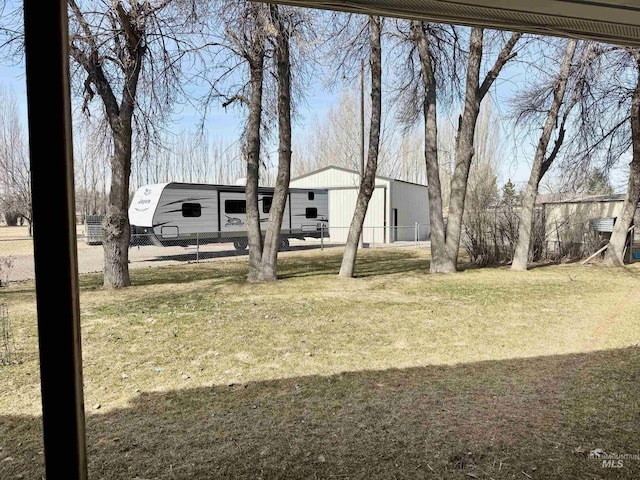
column 506, row 54
column 236, row 98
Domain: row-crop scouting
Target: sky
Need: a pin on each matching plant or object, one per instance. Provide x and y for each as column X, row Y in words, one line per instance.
column 227, row 124
column 517, row 155
column 12, row 79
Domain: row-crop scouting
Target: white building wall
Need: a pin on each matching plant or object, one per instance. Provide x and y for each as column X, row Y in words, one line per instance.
column 567, row 221
column 562, row 215
column 342, row 203
column 409, row 199
column 412, row 203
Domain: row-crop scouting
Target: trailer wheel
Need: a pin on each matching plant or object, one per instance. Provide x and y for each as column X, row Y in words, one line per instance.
column 241, row 244
column 284, row 244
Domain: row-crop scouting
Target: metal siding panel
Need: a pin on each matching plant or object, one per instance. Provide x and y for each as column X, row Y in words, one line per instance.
column 412, row 202
column 169, row 210
column 289, row 206
column 559, row 217
column 236, row 222
column 604, row 224
column 341, row 207
column 219, row 213
column 374, row 231
column 301, row 202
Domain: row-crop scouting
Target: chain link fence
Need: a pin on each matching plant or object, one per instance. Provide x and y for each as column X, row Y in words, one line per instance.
column 17, row 264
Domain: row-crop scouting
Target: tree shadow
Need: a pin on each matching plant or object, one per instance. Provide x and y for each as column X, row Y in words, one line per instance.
column 373, row 263
column 507, row 266
column 193, row 256
column 518, row 418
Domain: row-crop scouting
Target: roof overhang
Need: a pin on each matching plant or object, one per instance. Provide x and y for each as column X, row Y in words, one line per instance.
column 610, row 21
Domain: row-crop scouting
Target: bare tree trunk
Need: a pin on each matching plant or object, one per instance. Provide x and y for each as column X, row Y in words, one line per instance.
column 434, row 191
column 268, row 265
column 614, row 255
column 474, row 93
column 254, row 233
column 541, row 164
column 367, row 184
column 464, row 152
column 115, row 224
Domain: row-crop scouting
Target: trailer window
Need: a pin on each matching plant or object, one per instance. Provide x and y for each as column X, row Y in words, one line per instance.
column 266, row 204
column 191, row 210
column 235, row 206
column 311, row 195
column 312, row 213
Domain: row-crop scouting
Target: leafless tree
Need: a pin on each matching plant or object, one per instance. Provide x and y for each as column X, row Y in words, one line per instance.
column 119, row 48
column 256, row 45
column 367, row 183
column 129, row 56
column 192, row 156
column 283, row 19
column 436, row 49
column 15, row 176
column 475, row 91
column 91, row 171
column 334, row 140
column 433, row 52
column 486, row 220
column 247, row 27
column 615, row 252
column 446, row 159
column 606, row 129
column 480, row 223
column 543, row 160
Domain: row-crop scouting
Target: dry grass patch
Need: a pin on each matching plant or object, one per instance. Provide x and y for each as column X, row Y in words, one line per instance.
column 396, row 374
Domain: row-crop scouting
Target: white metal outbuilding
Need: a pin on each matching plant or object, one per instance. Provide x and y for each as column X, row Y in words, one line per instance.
column 395, row 207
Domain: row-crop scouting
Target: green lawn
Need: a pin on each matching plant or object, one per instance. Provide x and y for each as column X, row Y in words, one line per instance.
column 194, row 374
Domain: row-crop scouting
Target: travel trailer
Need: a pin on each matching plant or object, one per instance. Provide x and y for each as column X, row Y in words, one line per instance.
column 183, row 213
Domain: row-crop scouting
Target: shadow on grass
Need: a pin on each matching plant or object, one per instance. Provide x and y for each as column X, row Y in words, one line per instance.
column 628, row 270
column 192, row 256
column 369, row 263
column 522, row 418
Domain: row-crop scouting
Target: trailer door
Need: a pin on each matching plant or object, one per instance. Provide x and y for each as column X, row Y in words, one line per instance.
column 233, row 213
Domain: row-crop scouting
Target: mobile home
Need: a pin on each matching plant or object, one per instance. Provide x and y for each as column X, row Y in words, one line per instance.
column 179, row 213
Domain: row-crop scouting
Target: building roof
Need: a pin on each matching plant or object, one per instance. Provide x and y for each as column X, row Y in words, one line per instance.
column 546, row 198
column 348, row 170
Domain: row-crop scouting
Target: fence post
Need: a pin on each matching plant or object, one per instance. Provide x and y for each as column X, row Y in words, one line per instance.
column 415, row 233
column 197, row 247
column 322, row 237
